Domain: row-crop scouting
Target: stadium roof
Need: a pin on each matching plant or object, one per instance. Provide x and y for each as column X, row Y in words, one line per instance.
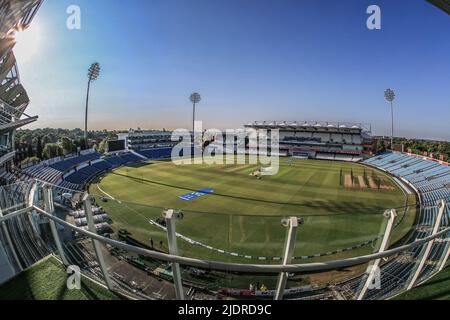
column 310, row 124
column 17, row 15
column 442, row 4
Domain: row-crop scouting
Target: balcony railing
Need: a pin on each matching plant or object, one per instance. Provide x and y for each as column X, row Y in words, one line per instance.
column 44, row 206
column 7, row 157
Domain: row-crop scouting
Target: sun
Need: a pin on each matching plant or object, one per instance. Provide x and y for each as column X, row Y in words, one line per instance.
column 28, row 42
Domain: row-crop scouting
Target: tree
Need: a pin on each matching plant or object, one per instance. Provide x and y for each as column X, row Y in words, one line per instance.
column 27, row 138
column 112, row 136
column 52, row 150
column 30, row 161
column 39, row 147
column 101, row 148
column 79, row 143
column 381, row 146
column 45, row 140
column 30, row 152
column 67, row 145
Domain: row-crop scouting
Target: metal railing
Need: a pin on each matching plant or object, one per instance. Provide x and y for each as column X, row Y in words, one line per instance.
column 282, row 270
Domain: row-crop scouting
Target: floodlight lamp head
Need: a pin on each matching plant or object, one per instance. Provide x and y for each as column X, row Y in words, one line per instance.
column 195, row 97
column 94, row 71
column 389, row 94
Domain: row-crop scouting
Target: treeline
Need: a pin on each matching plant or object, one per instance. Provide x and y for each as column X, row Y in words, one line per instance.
column 42, row 144
column 435, row 148
column 421, row 147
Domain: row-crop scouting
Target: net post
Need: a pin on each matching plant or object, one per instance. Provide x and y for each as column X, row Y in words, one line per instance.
column 48, row 205
column 97, row 247
column 171, row 216
column 292, row 225
column 428, row 247
column 391, row 215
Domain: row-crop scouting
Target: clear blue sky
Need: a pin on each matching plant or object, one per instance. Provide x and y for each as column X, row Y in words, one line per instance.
column 250, row 59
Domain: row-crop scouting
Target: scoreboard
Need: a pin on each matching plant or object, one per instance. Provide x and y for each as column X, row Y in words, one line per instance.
column 115, row 146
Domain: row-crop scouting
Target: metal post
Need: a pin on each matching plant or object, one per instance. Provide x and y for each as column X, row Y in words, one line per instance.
column 171, row 216
column 96, row 243
column 391, row 215
column 193, row 122
column 392, row 135
column 48, row 201
column 429, row 246
column 446, row 255
column 10, row 244
column 292, row 225
column 86, row 116
column 447, row 249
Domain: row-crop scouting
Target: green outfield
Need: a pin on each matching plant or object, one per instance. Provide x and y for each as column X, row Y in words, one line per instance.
column 437, row 288
column 341, row 203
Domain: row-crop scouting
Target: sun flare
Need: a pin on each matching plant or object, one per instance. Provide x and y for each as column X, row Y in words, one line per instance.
column 28, row 42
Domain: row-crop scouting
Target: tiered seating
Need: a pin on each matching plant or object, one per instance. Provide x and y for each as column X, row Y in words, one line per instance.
column 6, row 177
column 130, row 158
column 397, row 273
column 430, row 178
column 71, row 186
column 84, row 175
column 44, row 173
column 348, row 158
column 325, row 156
column 161, row 153
column 77, row 179
column 67, row 164
column 115, row 161
column 338, row 157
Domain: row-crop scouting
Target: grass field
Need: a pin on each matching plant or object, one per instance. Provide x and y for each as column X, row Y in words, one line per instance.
column 243, row 214
column 46, row 280
column 438, row 288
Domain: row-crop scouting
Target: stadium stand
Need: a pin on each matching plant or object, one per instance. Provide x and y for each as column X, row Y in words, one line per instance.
column 115, row 161
column 396, row 273
column 154, row 154
column 87, row 173
column 431, row 179
column 129, row 158
column 75, row 172
column 320, row 140
column 44, row 173
column 144, row 140
column 73, row 162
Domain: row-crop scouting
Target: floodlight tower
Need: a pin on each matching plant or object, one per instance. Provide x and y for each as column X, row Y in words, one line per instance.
column 194, row 98
column 93, row 73
column 389, row 94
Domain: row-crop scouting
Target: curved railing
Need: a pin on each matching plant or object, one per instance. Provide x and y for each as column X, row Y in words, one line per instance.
column 384, row 263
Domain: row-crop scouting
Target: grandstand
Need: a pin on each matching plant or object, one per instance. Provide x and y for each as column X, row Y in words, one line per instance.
column 76, row 171
column 20, row 245
column 158, row 153
column 14, row 100
column 321, row 140
column 145, row 140
column 431, row 180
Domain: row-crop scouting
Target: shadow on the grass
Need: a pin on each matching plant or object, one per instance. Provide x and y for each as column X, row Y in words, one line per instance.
column 335, row 207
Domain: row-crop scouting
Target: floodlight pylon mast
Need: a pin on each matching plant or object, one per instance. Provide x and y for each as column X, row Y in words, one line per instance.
column 392, row 125
column 93, row 73
column 194, row 98
column 389, row 94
